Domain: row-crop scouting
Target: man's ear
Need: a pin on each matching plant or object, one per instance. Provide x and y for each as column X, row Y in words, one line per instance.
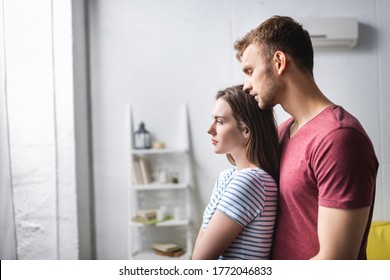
column 280, row 60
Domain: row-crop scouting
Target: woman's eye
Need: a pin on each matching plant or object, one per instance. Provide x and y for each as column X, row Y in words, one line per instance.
column 219, row 121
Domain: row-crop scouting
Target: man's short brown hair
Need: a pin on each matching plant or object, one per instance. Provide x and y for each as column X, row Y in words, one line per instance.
column 280, row 33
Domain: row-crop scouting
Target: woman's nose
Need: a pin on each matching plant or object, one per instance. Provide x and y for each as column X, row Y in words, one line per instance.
column 211, row 129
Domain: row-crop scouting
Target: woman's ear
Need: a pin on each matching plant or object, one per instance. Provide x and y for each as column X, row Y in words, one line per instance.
column 246, row 132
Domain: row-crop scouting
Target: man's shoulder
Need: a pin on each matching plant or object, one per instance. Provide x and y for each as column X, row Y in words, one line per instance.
column 337, row 118
column 333, row 118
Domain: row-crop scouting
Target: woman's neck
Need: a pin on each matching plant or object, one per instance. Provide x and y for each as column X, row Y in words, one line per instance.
column 244, row 163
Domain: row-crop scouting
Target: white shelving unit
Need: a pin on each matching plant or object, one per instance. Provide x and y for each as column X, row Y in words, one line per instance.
column 156, row 195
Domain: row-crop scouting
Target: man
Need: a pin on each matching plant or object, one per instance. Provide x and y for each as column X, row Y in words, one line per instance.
column 328, row 165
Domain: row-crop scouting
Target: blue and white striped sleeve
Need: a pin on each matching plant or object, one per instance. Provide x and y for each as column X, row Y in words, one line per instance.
column 244, row 198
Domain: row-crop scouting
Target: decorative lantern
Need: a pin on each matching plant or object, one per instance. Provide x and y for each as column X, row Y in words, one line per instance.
column 142, row 138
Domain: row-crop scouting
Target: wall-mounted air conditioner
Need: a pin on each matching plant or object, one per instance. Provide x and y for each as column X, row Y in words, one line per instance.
column 332, row 32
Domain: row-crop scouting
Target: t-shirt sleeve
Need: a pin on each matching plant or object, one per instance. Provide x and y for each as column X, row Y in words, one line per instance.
column 345, row 166
column 243, row 199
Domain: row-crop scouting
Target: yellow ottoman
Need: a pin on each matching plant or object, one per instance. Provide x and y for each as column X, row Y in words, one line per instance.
column 378, row 246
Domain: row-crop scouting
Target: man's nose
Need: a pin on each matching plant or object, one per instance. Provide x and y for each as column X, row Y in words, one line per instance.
column 247, row 86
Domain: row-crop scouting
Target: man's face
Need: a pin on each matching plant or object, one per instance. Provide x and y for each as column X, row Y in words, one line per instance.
column 261, row 81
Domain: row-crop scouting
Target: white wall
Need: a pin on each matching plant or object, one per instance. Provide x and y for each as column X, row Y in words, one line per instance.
column 157, row 54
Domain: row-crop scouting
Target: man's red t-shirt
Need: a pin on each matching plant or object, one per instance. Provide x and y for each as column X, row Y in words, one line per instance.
column 330, row 162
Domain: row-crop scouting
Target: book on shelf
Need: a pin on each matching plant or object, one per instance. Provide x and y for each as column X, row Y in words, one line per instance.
column 145, row 170
column 167, row 249
column 175, row 254
column 136, row 172
column 141, row 171
column 146, row 215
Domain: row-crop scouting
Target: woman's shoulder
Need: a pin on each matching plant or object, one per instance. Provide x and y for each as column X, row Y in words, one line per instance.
column 253, row 171
column 227, row 173
column 257, row 175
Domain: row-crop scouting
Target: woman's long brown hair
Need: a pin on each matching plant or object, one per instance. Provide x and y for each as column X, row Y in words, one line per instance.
column 262, row 145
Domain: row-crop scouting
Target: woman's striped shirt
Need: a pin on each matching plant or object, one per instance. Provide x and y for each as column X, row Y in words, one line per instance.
column 249, row 197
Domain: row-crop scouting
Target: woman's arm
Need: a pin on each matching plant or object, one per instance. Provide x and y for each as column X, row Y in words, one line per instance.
column 200, row 235
column 219, row 234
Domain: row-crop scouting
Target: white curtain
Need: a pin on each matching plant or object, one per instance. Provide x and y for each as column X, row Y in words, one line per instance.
column 7, row 225
column 38, row 194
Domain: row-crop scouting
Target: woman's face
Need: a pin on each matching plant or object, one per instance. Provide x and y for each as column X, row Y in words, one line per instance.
column 226, row 137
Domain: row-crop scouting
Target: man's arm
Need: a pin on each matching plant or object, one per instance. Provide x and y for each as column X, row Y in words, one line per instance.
column 340, row 232
column 219, row 234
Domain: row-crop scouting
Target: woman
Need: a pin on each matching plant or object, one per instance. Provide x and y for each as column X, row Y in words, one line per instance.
column 238, row 222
